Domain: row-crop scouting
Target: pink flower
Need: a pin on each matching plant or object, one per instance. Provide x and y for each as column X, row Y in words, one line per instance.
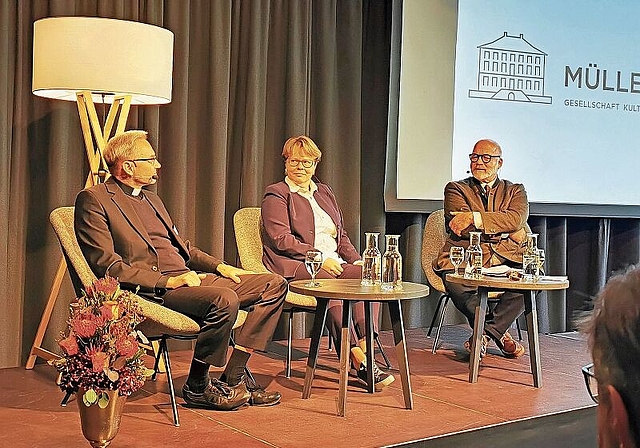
column 127, row 346
column 84, row 324
column 69, row 345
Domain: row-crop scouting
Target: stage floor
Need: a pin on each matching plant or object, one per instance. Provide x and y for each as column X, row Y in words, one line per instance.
column 503, row 404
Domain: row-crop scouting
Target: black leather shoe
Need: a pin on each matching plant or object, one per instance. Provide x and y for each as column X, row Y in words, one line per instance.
column 218, row 396
column 261, row 397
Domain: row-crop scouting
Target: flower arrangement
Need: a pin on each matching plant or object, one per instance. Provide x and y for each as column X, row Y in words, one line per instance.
column 101, row 345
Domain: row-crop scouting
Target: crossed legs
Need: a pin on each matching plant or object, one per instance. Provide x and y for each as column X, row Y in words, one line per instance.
column 506, row 311
column 215, row 304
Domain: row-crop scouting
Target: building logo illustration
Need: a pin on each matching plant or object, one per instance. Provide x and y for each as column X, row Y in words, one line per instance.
column 511, row 69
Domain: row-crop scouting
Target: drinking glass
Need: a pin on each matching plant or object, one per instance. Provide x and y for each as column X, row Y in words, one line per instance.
column 456, row 255
column 313, row 263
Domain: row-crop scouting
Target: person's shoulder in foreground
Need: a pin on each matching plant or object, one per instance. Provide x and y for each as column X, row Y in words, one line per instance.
column 614, row 339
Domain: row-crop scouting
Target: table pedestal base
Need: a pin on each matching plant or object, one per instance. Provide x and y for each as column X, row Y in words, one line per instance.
column 531, row 314
column 399, row 341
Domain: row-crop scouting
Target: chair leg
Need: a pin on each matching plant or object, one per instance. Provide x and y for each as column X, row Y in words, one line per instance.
column 156, row 365
column 443, row 313
column 384, row 355
column 437, row 312
column 519, row 329
column 287, row 372
column 65, row 400
column 172, row 392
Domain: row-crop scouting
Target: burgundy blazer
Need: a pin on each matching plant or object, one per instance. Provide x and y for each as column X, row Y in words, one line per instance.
column 114, row 240
column 504, row 219
column 288, row 228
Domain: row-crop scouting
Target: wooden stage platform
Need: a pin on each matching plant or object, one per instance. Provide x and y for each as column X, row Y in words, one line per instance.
column 502, row 409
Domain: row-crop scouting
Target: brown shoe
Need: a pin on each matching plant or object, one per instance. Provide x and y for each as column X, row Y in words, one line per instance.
column 510, row 347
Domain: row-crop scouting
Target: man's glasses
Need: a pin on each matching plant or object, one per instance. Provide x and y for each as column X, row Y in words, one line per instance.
column 305, row 162
column 486, row 158
column 151, row 160
column 590, row 381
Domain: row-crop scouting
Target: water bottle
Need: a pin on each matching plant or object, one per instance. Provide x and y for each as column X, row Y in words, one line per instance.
column 530, row 263
column 474, row 256
column 392, row 265
column 372, row 259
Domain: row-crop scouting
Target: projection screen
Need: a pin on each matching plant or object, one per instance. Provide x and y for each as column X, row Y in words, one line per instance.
column 556, row 84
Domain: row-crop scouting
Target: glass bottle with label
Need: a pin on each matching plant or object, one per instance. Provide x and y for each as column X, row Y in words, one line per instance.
column 371, row 259
column 392, row 265
column 474, row 256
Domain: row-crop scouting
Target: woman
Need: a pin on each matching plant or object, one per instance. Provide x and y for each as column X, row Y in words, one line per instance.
column 300, row 214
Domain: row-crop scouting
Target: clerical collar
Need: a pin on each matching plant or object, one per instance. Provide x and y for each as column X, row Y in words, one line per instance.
column 129, row 191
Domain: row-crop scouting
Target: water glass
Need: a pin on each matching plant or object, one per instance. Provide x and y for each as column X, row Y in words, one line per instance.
column 313, row 263
column 456, row 255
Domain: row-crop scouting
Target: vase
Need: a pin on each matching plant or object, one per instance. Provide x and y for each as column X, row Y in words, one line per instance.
column 101, row 425
column 530, row 261
column 474, row 256
column 371, row 259
column 392, row 265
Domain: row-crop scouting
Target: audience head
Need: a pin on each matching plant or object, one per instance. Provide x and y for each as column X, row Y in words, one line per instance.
column 301, row 157
column 131, row 159
column 486, row 160
column 614, row 338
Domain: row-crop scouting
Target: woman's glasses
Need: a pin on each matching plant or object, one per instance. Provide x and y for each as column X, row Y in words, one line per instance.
column 307, row 163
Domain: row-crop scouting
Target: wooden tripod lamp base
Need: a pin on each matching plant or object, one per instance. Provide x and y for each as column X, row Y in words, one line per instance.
column 95, row 140
column 95, row 59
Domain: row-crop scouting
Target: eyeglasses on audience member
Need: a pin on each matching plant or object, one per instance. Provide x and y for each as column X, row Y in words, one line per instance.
column 590, row 381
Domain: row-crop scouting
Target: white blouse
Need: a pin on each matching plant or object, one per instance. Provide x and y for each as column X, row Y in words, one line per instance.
column 325, row 229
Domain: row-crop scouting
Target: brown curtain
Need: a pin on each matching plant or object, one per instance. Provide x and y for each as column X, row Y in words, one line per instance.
column 247, row 75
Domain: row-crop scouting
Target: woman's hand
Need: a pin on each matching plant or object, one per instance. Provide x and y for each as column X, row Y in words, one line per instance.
column 332, row 266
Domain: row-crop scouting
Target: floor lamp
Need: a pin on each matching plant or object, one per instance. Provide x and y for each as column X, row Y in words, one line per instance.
column 95, row 60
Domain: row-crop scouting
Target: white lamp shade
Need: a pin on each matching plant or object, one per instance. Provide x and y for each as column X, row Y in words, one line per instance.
column 103, row 56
